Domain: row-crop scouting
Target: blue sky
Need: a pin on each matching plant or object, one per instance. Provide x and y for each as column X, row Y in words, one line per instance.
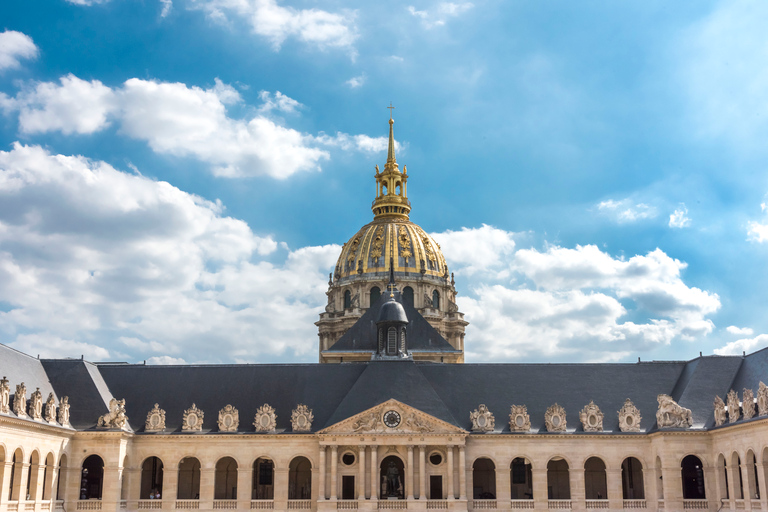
column 177, row 176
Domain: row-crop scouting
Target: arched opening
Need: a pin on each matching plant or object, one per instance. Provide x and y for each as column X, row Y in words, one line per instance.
column 632, row 484
column 391, row 476
column 92, row 478
column 48, row 472
column 408, row 296
column 398, row 189
column 17, row 465
column 61, row 474
column 722, row 477
column 521, row 479
column 558, row 482
column 753, row 482
column 693, row 478
column 151, row 479
column 189, row 479
column 124, row 480
column 375, row 295
column 383, row 188
column 765, row 465
column 436, row 299
column 595, row 486
column 263, row 479
column 659, row 480
column 32, row 474
column 738, row 484
column 484, row 479
column 300, row 479
column 2, row 465
column 225, row 479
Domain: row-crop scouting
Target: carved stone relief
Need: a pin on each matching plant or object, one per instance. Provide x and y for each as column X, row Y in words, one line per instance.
column 734, row 412
column 554, row 418
column 366, row 423
column 591, row 417
column 116, row 417
column 762, row 399
column 519, row 421
column 720, row 414
column 301, row 418
column 50, row 409
column 5, row 396
column 413, row 422
column 36, row 405
column 266, row 419
column 629, row 417
column 20, row 401
column 672, row 415
column 64, row 411
column 482, row 419
column 229, row 419
column 155, row 419
column 748, row 403
column 192, row 419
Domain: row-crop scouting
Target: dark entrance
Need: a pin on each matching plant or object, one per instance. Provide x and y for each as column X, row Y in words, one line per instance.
column 435, row 487
column 392, row 477
column 348, row 487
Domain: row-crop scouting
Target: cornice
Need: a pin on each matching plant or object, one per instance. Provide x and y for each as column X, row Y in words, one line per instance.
column 26, row 424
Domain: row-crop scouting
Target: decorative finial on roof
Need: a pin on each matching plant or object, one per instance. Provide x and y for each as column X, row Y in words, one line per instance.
column 391, row 151
column 391, row 185
column 391, row 278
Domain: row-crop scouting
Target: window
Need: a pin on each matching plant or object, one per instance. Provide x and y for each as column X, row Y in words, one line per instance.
column 408, row 296
column 348, row 459
column 436, row 299
column 392, row 341
column 347, row 300
column 435, row 459
column 375, row 295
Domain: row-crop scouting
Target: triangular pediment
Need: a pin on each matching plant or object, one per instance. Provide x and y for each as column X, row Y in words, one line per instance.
column 392, row 417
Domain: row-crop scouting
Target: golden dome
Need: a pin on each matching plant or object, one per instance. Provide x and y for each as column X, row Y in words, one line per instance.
column 410, row 248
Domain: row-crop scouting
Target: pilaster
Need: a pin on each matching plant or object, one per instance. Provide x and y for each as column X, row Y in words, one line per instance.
column 615, row 494
column 207, row 481
column 578, row 489
column 281, row 488
column 170, row 487
column 244, row 487
column 539, row 485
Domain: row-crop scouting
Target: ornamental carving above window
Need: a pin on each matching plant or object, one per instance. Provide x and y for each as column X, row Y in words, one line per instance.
column 519, row 420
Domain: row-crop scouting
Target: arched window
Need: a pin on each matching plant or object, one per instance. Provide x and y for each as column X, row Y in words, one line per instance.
column 34, row 462
column 347, row 299
column 595, row 486
column 436, row 299
column 225, row 480
column 50, row 460
column 189, row 479
column 632, row 479
column 391, row 341
column 60, row 476
column 263, row 480
column 375, row 295
column 15, row 480
column 484, row 479
column 558, row 483
column 92, row 478
column 521, row 479
column 300, row 479
column 151, row 479
column 693, row 478
column 408, row 296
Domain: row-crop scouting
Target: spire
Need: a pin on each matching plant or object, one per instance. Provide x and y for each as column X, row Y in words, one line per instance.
column 391, row 150
column 391, row 185
column 391, row 277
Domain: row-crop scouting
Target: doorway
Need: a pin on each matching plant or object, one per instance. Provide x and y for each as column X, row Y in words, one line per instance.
column 435, row 487
column 348, row 487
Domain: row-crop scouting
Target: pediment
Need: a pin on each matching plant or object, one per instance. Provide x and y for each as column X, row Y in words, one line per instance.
column 381, row 419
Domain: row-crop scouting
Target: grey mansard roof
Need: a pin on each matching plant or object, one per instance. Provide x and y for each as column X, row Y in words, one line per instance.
column 337, row 391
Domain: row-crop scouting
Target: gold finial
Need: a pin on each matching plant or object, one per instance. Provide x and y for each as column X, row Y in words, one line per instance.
column 391, row 185
column 391, row 160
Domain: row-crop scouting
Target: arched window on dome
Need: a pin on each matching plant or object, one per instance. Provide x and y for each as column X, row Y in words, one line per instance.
column 436, row 299
column 408, row 296
column 375, row 295
column 392, row 341
column 347, row 299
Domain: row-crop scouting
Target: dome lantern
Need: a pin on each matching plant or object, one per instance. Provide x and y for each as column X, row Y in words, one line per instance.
column 391, row 185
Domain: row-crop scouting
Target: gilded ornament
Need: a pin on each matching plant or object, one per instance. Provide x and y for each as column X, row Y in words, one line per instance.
column 405, row 244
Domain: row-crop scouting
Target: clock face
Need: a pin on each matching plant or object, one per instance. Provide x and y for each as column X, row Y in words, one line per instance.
column 392, row 419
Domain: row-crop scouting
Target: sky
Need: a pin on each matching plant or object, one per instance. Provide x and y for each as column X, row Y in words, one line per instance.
column 177, row 177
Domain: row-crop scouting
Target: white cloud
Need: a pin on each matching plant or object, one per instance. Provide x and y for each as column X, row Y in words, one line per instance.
column 439, row 14
column 757, row 231
column 167, row 6
column 276, row 23
column 626, row 210
column 166, row 360
column 184, row 121
column 679, row 218
column 571, row 303
column 15, row 46
column 114, row 263
column 741, row 331
column 87, row 2
column 747, row 345
column 356, row 81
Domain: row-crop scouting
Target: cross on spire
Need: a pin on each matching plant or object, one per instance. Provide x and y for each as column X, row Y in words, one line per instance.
column 390, row 107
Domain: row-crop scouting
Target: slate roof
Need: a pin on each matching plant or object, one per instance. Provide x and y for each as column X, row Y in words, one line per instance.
column 361, row 337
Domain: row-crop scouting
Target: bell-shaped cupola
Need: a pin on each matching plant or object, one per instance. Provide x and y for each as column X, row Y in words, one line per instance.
column 391, row 327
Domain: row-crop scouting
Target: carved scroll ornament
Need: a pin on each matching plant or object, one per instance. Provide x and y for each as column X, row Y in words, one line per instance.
column 229, row 419
column 301, row 418
column 266, row 419
column 629, row 417
column 50, row 409
column 20, row 401
column 720, row 414
column 482, row 419
column 748, row 403
column 5, row 396
column 155, row 420
column 192, row 419
column 734, row 408
column 554, row 418
column 64, row 411
column 36, row 405
column 591, row 417
column 519, row 420
column 762, row 399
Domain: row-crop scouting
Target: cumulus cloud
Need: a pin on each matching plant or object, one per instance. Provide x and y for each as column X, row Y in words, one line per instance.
column 439, row 14
column 626, row 210
column 276, row 23
column 741, row 331
column 568, row 303
column 356, row 81
column 184, row 121
column 15, row 46
column 679, row 218
column 121, row 266
column 758, row 231
column 743, row 345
